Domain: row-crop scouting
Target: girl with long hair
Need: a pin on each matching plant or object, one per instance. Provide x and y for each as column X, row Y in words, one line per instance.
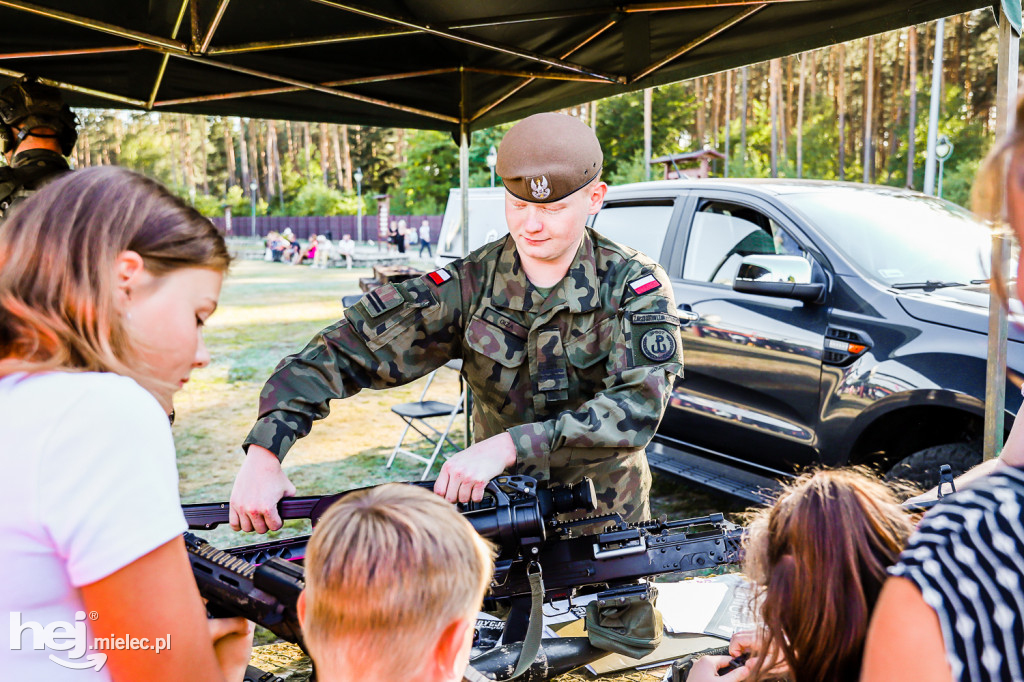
column 818, row 559
column 105, row 282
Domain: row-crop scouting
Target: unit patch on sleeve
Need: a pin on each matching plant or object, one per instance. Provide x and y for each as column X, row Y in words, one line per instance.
column 658, row 345
column 644, row 284
column 439, row 276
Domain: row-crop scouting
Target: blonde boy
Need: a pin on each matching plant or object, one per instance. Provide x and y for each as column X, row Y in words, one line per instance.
column 394, row 579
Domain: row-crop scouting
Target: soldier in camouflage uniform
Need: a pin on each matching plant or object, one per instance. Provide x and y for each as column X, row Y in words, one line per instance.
column 37, row 130
column 568, row 341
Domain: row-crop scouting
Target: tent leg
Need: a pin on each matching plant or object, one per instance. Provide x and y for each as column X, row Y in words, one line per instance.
column 467, row 404
column 995, row 377
column 648, row 92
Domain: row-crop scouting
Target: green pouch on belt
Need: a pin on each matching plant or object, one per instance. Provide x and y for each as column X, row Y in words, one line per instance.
column 625, row 621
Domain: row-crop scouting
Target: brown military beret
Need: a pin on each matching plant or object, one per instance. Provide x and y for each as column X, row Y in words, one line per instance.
column 547, row 157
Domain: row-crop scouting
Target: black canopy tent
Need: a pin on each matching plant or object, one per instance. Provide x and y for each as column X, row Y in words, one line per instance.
column 450, row 64
column 457, row 65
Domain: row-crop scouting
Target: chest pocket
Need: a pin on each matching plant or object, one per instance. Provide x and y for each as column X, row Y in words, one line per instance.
column 493, row 366
column 592, row 346
column 587, row 354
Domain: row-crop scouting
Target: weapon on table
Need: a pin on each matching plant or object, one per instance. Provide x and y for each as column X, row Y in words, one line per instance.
column 523, row 521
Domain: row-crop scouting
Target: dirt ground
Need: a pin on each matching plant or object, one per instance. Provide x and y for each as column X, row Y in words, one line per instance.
column 267, row 311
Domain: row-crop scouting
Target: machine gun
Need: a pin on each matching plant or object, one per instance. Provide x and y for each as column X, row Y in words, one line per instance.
column 527, row 524
column 266, row 593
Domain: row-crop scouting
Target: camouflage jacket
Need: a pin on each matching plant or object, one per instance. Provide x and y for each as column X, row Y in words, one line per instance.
column 579, row 379
column 28, row 172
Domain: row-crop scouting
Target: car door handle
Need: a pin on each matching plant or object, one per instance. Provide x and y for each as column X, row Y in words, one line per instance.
column 686, row 315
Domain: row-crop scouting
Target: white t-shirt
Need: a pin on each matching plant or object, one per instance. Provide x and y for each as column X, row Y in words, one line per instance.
column 91, row 486
column 424, row 233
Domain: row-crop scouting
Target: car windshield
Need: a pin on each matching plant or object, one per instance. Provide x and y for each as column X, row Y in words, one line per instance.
column 901, row 239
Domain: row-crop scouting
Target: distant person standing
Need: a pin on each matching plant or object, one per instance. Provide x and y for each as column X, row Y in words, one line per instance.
column 403, row 233
column 393, row 236
column 425, row 238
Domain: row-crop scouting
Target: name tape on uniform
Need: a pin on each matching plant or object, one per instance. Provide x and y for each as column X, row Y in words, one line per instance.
column 654, row 318
column 439, row 276
column 644, row 284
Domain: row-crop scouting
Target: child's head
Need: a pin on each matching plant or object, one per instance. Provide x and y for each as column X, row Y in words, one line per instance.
column 819, row 557
column 104, row 270
column 394, row 579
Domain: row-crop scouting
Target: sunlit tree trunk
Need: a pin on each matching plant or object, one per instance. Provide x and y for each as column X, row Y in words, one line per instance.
column 869, row 97
column 800, row 116
column 325, row 161
column 243, row 153
column 774, row 78
column 307, row 149
column 912, row 106
column 229, row 153
column 841, row 108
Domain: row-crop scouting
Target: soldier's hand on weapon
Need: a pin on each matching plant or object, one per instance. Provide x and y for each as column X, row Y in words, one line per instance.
column 232, row 643
column 259, row 486
column 706, row 670
column 465, row 475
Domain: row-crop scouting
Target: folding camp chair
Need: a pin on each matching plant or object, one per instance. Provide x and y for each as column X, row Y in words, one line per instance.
column 416, row 415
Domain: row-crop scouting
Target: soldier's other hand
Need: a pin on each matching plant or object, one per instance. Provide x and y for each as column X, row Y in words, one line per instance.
column 259, row 486
column 465, row 475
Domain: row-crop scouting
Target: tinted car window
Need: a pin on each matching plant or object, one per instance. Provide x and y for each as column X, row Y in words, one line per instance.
column 723, row 233
column 639, row 226
column 900, row 238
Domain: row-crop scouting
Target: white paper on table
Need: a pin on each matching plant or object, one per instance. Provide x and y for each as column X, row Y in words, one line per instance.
column 688, row 606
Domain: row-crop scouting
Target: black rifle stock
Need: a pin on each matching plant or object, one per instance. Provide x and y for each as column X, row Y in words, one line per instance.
column 265, row 594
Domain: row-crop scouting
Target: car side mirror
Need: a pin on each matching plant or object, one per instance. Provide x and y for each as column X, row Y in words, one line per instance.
column 780, row 276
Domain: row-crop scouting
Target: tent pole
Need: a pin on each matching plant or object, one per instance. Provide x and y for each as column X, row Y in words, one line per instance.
column 933, row 109
column 995, row 377
column 647, row 133
column 467, row 401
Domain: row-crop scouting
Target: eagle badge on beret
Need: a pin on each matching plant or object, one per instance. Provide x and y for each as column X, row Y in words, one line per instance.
column 540, row 188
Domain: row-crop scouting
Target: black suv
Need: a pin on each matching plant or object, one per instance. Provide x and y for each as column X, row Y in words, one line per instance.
column 821, row 322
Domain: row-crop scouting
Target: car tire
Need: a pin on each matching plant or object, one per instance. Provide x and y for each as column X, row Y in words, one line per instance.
column 922, row 468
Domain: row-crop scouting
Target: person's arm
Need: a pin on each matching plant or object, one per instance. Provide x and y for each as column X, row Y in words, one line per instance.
column 381, row 342
column 904, row 639
column 155, row 597
column 626, row 413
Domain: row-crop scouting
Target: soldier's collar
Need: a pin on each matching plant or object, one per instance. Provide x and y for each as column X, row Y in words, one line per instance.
column 578, row 290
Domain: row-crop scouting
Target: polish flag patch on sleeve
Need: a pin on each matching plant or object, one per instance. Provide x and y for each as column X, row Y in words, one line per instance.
column 644, row 284
column 439, row 276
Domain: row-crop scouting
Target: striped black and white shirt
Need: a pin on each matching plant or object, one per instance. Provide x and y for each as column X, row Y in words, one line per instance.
column 967, row 558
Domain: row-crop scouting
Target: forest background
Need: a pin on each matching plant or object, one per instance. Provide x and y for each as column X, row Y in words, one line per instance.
column 854, row 111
